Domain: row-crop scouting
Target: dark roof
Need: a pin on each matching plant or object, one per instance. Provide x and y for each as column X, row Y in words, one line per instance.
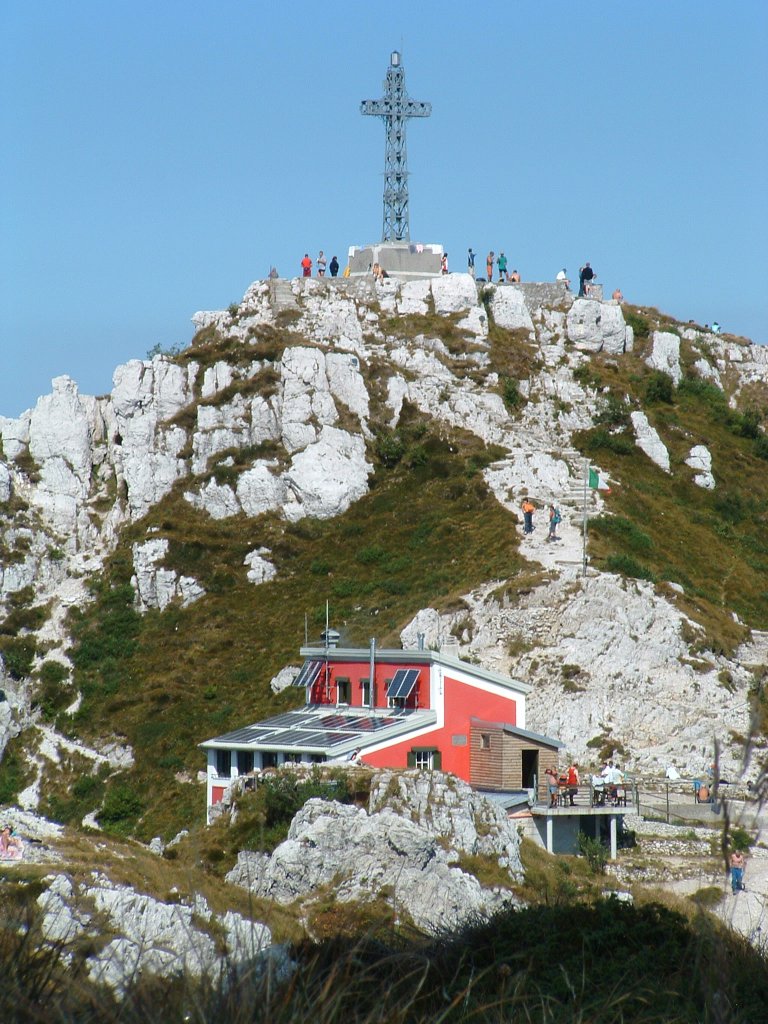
column 525, row 734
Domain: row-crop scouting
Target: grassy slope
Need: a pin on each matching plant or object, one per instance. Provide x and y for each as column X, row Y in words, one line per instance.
column 713, row 543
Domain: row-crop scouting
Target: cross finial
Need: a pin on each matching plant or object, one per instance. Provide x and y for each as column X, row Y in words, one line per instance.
column 394, row 108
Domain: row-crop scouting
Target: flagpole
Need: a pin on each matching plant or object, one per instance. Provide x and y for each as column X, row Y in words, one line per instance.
column 584, row 523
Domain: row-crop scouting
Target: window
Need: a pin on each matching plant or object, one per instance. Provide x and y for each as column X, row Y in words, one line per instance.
column 423, row 759
column 485, row 740
column 269, row 759
column 343, row 690
column 426, row 758
column 223, row 763
column 366, row 685
column 244, row 762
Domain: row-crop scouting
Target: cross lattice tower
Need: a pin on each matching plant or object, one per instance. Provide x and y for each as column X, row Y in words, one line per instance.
column 394, row 108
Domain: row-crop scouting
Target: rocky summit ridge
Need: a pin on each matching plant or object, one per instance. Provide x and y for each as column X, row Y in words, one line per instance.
column 283, row 407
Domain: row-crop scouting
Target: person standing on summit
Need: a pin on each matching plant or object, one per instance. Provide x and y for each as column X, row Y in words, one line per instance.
column 502, row 264
column 586, row 274
column 334, row 266
column 471, row 263
column 306, row 266
column 489, row 261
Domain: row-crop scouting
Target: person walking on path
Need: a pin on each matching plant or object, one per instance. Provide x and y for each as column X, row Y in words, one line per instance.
column 306, row 266
column 471, row 263
column 334, row 267
column 528, row 509
column 586, row 274
column 737, row 871
column 554, row 521
column 489, row 261
column 321, row 261
column 502, row 265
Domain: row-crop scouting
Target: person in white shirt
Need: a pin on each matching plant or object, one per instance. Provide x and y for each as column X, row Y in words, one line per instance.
column 562, row 276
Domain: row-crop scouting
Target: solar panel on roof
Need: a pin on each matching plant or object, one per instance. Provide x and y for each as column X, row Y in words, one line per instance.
column 335, row 721
column 289, row 719
column 403, row 682
column 310, row 670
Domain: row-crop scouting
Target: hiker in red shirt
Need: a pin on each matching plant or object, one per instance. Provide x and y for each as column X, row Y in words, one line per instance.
column 306, row 266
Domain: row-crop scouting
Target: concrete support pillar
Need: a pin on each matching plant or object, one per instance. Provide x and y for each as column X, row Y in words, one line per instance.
column 550, row 834
column 613, row 836
column 596, row 820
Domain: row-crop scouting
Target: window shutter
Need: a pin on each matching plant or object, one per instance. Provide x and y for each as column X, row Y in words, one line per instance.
column 411, row 758
column 437, row 760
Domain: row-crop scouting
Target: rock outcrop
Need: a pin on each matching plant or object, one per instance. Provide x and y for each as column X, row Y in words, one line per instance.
column 406, row 849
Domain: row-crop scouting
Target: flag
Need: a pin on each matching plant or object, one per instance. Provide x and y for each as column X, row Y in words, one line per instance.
column 596, row 483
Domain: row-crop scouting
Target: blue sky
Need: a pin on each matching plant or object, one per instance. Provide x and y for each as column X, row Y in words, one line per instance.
column 158, row 157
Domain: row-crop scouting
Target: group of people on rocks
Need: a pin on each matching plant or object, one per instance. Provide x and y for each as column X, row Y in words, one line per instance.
column 492, row 260
column 555, row 518
column 321, row 264
column 586, row 274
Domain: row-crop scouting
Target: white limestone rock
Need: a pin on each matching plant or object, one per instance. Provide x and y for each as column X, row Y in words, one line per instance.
column 260, row 569
column 665, row 355
column 218, row 500
column 216, row 378
column 306, row 397
column 261, row 489
column 597, row 326
column 413, row 298
column 509, row 309
column 284, row 679
column 365, row 855
column 327, row 476
column 426, row 623
column 453, row 293
column 347, row 385
column 15, row 434
column 700, row 459
column 155, row 586
column 145, row 396
column 648, row 440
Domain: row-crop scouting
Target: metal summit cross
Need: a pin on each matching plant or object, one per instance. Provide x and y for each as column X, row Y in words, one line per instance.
column 394, row 108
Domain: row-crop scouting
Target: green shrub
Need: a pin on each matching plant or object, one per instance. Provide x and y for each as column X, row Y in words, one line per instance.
column 594, row 852
column 613, row 411
column 389, row 448
column 639, row 324
column 510, row 393
column 659, row 388
column 622, row 530
column 121, row 807
column 760, row 447
column 601, row 439
column 18, row 653
column 625, row 565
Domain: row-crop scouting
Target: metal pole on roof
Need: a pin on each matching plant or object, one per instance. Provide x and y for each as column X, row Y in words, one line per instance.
column 371, row 670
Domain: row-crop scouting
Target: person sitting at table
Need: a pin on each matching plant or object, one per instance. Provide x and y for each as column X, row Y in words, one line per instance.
column 552, row 786
column 573, row 781
column 598, row 791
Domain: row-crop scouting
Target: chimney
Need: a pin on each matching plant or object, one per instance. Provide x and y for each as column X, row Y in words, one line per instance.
column 330, row 637
column 450, row 647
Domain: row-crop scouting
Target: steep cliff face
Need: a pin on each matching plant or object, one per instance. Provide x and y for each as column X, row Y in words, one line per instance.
column 284, row 410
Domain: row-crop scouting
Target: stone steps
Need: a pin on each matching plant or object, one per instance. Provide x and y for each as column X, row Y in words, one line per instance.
column 281, row 296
